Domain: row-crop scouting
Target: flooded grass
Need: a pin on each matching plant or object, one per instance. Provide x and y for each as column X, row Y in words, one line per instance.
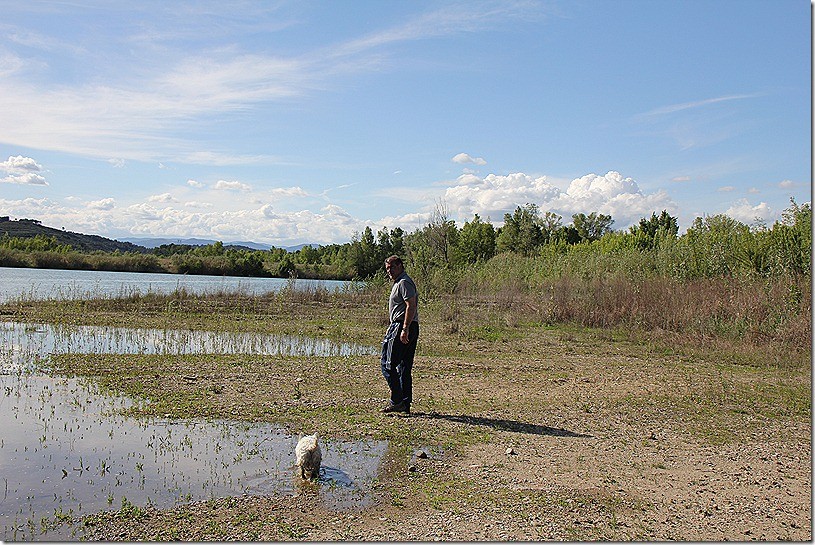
column 67, row 449
column 66, row 452
column 30, row 344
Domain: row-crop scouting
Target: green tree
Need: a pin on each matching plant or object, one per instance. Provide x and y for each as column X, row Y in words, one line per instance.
column 593, row 226
column 521, row 232
column 476, row 242
column 649, row 230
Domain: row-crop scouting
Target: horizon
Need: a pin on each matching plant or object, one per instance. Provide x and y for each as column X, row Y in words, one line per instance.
column 302, row 123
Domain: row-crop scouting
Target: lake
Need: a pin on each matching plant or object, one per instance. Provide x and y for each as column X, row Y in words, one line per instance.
column 38, row 284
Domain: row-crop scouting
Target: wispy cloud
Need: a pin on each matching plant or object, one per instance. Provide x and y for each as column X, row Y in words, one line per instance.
column 448, row 20
column 673, row 108
column 139, row 113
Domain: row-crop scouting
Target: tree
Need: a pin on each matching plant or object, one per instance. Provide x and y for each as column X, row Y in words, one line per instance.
column 550, row 225
column 476, row 242
column 593, row 226
column 649, row 230
column 521, row 232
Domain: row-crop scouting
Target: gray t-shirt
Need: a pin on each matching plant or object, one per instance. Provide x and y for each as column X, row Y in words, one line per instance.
column 402, row 289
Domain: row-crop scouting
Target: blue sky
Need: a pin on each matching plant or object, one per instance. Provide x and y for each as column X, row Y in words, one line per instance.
column 291, row 122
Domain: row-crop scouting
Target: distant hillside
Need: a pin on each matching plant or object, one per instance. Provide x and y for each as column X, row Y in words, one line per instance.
column 156, row 242
column 26, row 228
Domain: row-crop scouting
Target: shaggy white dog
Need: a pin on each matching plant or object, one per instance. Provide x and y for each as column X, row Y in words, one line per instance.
column 309, row 457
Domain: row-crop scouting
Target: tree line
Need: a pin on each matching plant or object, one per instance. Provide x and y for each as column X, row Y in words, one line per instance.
column 442, row 254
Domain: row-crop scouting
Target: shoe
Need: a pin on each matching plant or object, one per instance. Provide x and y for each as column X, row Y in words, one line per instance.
column 398, row 408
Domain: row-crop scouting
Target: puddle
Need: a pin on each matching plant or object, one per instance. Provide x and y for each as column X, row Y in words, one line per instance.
column 64, row 455
column 23, row 346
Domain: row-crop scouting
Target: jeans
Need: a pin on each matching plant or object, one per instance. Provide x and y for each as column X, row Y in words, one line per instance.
column 397, row 361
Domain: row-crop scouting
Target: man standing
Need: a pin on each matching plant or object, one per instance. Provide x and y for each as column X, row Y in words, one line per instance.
column 399, row 345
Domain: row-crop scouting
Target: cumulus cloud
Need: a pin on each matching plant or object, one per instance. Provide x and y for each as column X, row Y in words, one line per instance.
column 18, row 163
column 102, row 204
column 495, row 195
column 164, row 197
column 117, row 162
column 22, row 170
column 743, row 211
column 223, row 185
column 26, row 178
column 288, row 192
column 786, row 184
column 194, row 183
column 464, row 158
column 197, row 204
column 727, row 189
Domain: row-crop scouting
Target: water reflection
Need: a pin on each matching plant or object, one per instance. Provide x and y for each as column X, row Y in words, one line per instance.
column 37, row 284
column 24, row 346
column 64, row 453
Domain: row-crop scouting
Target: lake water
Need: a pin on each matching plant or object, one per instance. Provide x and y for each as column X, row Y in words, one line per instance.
column 37, row 284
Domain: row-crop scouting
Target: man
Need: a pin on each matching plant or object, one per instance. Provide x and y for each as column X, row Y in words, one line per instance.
column 399, row 345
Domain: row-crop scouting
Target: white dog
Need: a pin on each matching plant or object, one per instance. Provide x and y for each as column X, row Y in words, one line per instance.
column 309, row 457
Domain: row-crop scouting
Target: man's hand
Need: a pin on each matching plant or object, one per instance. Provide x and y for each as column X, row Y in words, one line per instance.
column 404, row 336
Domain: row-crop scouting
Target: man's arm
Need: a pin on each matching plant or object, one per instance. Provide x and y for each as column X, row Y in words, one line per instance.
column 410, row 312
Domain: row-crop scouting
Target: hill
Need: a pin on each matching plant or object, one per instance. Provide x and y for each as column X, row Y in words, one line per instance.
column 26, row 228
column 156, row 242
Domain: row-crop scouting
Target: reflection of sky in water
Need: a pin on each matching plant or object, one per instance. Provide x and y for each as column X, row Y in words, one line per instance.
column 36, row 284
column 22, row 344
column 61, row 451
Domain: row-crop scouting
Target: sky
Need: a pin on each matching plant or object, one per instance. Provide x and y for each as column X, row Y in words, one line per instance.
column 291, row 122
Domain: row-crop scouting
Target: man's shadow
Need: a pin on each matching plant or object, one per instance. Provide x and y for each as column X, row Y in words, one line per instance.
column 502, row 424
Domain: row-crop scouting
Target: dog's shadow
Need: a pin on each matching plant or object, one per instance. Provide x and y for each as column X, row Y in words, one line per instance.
column 502, row 424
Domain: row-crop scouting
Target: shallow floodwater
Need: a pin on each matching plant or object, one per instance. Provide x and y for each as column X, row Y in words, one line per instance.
column 26, row 345
column 64, row 453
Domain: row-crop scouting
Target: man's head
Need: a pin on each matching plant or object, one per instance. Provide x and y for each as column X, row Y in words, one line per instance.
column 394, row 267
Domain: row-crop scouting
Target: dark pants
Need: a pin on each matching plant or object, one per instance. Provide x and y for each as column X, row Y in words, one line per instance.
column 397, row 361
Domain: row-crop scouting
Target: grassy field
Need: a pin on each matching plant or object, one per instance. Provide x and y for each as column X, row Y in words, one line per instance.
column 540, row 430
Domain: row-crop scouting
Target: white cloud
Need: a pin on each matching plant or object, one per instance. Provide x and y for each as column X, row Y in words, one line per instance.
column 673, row 108
column 726, row 189
column 494, row 195
column 164, row 197
column 463, row 158
column 117, row 162
column 22, row 170
column 786, row 184
column 288, row 192
column 231, row 186
column 26, row 178
column 744, row 212
column 18, row 163
column 102, row 204
column 197, row 204
column 194, row 183
column 680, row 179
